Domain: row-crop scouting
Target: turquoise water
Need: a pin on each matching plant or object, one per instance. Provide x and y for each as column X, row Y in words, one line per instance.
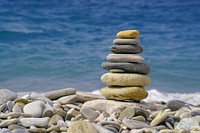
column 55, row 44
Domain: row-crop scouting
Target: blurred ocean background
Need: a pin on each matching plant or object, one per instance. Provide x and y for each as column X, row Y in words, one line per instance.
column 47, row 45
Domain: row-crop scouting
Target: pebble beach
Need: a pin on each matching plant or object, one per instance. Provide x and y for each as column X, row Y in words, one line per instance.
column 69, row 111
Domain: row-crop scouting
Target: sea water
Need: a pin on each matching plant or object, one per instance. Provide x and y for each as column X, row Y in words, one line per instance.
column 47, row 45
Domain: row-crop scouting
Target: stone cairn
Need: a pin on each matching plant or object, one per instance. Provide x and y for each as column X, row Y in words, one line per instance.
column 128, row 75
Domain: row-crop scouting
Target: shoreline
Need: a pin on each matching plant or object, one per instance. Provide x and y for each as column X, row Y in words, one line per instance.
column 153, row 96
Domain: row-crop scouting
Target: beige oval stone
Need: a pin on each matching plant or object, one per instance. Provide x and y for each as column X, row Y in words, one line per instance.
column 125, row 79
column 159, row 118
column 128, row 34
column 82, row 127
column 125, row 58
column 124, row 93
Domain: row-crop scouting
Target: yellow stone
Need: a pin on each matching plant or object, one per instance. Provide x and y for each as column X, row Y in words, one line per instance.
column 81, row 127
column 159, row 118
column 124, row 93
column 128, row 34
column 22, row 100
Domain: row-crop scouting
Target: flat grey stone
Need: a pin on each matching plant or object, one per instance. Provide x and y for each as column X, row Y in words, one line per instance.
column 135, row 58
column 133, row 124
column 176, row 104
column 126, row 49
column 60, row 93
column 89, row 113
column 7, row 95
column 139, row 68
column 120, row 41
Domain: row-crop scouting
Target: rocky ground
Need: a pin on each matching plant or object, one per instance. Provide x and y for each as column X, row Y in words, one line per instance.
column 69, row 111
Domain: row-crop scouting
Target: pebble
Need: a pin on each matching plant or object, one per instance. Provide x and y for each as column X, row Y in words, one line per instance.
column 126, row 49
column 81, row 127
column 38, row 122
column 34, row 129
column 138, row 118
column 176, row 104
column 89, row 113
column 124, row 93
column 116, row 79
column 19, row 131
column 125, row 58
column 139, row 68
column 6, row 123
column 127, row 113
column 7, row 95
column 128, row 34
column 34, row 108
column 120, row 41
column 54, row 119
column 159, row 118
column 142, row 112
column 133, row 124
column 16, row 108
column 101, row 129
column 10, row 105
column 186, row 124
column 60, row 93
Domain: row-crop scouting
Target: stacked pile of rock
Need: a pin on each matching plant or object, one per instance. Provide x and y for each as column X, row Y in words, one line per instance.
column 127, row 74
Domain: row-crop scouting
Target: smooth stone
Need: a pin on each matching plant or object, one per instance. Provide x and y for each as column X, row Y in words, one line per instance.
column 186, row 124
column 126, row 49
column 17, row 109
column 73, row 112
column 101, row 129
column 124, row 93
column 17, row 115
column 81, row 127
column 139, row 68
column 48, row 111
column 34, row 108
column 38, row 122
column 133, row 124
column 117, row 71
column 54, row 129
column 20, row 104
column 6, row 123
column 89, row 113
column 127, row 113
column 176, row 104
column 22, row 100
column 7, row 95
column 158, row 119
column 125, row 58
column 182, row 110
column 79, row 97
column 196, row 118
column 5, row 130
column 10, row 105
column 15, row 126
column 124, row 79
column 120, row 41
column 111, row 106
column 138, row 118
column 34, row 129
column 59, row 93
column 169, row 131
column 20, row 131
column 54, row 119
column 195, row 113
column 142, row 112
column 128, row 34
column 35, row 96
